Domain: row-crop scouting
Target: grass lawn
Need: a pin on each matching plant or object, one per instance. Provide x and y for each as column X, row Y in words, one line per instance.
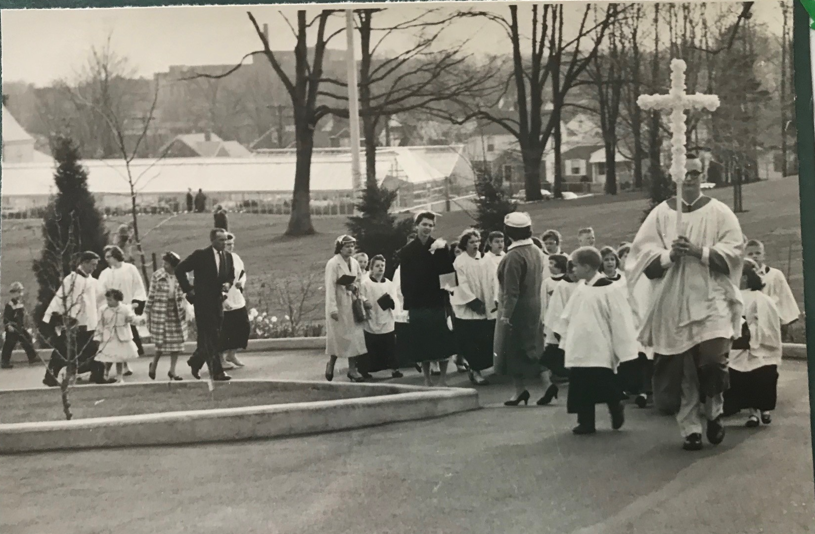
column 772, row 216
column 104, row 401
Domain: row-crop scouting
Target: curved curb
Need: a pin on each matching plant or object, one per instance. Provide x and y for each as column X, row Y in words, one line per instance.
column 395, row 404
column 792, row 351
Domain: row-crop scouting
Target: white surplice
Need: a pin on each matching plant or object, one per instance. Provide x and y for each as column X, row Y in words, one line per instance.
column 378, row 321
column 76, row 298
column 555, row 305
column 690, row 303
column 476, row 280
column 400, row 314
column 777, row 288
column 764, row 324
column 235, row 299
column 127, row 279
column 547, row 290
column 597, row 326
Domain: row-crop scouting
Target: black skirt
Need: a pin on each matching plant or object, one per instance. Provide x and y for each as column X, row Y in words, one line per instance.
column 635, row 375
column 429, row 338
column 381, row 352
column 403, row 346
column 554, row 359
column 235, row 330
column 474, row 340
column 592, row 385
column 756, row 389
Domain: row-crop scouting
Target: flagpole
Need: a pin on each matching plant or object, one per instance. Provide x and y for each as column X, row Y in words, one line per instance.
column 353, row 104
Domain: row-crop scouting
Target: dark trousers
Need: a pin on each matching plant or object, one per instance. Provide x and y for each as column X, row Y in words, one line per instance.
column 206, row 352
column 585, row 416
column 24, row 339
column 137, row 339
column 85, row 361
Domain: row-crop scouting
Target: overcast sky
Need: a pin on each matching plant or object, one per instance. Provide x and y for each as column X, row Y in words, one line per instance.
column 40, row 46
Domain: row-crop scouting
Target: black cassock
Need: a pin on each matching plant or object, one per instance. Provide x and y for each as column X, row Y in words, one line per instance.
column 428, row 338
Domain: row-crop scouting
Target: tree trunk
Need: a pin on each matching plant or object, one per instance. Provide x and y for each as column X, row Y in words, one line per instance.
column 611, row 166
column 783, row 97
column 136, row 228
column 532, row 158
column 300, row 219
column 557, row 184
column 369, row 133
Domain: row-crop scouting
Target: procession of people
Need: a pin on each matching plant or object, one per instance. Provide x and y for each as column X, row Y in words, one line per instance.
column 685, row 318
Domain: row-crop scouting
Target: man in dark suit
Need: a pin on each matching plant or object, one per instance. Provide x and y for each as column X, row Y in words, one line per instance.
column 213, row 274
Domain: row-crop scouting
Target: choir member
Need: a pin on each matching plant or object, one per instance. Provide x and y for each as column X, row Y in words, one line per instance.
column 379, row 327
column 756, row 355
column 597, row 334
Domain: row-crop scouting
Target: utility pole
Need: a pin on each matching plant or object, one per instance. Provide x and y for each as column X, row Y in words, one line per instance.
column 353, row 103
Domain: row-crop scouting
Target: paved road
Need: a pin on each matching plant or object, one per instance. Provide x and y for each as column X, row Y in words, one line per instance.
column 494, row 471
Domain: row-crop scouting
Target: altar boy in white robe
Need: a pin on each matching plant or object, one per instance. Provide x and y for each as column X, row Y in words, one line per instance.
column 553, row 355
column 380, row 336
column 694, row 306
column 756, row 355
column 775, row 284
column 597, row 334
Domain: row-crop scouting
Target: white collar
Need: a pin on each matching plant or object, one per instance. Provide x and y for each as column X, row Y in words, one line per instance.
column 596, row 277
column 520, row 243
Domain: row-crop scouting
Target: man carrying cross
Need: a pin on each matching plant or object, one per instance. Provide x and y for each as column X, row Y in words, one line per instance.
column 686, row 277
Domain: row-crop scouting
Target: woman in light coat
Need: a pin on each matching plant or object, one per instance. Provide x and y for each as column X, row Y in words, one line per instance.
column 344, row 337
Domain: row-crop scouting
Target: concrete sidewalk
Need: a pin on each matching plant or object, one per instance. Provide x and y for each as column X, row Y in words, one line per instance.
column 493, row 471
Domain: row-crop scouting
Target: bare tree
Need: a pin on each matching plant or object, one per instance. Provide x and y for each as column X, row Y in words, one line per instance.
column 548, row 59
column 606, row 74
column 303, row 88
column 106, row 69
column 414, row 79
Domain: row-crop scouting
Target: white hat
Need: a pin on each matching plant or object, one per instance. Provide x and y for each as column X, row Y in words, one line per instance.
column 693, row 164
column 518, row 219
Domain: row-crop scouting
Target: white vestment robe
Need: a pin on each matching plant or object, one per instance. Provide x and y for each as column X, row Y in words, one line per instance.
column 400, row 314
column 597, row 326
column 476, row 280
column 127, row 279
column 555, row 306
column 690, row 303
column 764, row 324
column 76, row 298
column 235, row 299
column 547, row 290
column 378, row 321
column 777, row 288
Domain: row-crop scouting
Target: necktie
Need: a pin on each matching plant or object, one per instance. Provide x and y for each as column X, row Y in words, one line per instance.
column 221, row 266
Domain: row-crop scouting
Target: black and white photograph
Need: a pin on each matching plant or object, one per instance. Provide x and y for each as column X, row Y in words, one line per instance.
column 415, row 267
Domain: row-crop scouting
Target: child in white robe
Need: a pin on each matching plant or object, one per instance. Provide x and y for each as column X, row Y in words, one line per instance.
column 494, row 251
column 756, row 355
column 775, row 284
column 597, row 334
column 640, row 373
column 611, row 265
column 380, row 336
column 553, row 356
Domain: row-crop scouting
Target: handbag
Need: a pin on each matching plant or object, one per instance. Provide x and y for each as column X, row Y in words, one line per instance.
column 358, row 309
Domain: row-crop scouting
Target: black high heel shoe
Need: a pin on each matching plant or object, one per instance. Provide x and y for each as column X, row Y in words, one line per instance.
column 523, row 397
column 152, row 371
column 173, row 376
column 551, row 393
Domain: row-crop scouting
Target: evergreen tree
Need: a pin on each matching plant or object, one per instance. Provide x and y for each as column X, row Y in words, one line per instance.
column 492, row 204
column 71, row 224
column 375, row 229
column 661, row 188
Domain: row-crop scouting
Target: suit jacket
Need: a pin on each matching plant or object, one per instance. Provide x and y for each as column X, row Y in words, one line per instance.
column 207, row 284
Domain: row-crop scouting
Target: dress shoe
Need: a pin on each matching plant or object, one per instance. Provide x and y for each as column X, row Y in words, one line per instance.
column 6, row 366
column 523, row 397
column 223, row 377
column 766, row 418
column 583, row 430
column 642, row 400
column 397, row 374
column 693, row 443
column 195, row 370
column 551, row 393
column 50, row 380
column 752, row 422
column 617, row 417
column 715, row 431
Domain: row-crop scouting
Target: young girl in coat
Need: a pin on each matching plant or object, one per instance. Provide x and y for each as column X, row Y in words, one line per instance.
column 113, row 332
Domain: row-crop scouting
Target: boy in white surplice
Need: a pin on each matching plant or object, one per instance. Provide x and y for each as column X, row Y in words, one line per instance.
column 597, row 333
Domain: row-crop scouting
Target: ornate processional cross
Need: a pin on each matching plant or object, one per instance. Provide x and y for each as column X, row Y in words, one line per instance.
column 677, row 101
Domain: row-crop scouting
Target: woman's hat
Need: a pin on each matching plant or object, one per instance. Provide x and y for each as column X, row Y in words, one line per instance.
column 518, row 219
column 172, row 258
